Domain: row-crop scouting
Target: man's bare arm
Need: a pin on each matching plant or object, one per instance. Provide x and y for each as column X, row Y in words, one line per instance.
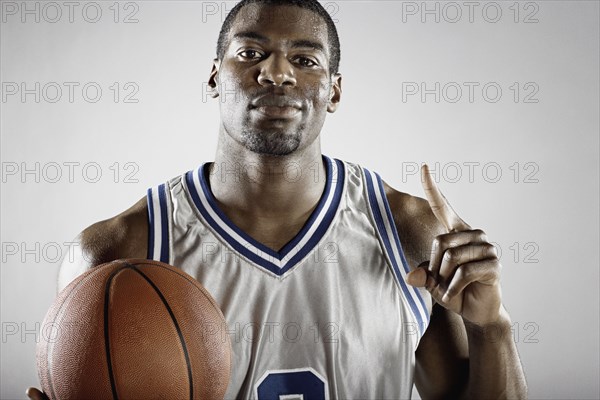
column 455, row 358
column 123, row 236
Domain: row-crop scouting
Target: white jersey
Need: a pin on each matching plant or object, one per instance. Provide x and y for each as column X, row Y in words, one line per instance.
column 329, row 316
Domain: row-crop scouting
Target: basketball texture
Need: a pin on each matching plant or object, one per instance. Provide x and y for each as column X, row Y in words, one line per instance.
column 134, row 329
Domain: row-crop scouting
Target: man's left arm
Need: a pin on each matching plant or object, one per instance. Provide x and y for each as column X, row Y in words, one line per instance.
column 487, row 367
column 468, row 349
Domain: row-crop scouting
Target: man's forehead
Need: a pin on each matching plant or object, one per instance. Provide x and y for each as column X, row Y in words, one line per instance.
column 263, row 20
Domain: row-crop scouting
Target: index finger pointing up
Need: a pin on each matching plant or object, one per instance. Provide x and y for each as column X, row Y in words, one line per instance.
column 439, row 205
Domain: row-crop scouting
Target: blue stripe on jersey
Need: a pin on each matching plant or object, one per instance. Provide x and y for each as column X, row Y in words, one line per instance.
column 158, row 224
column 236, row 245
column 164, row 218
column 397, row 240
column 255, row 249
column 326, row 222
column 289, row 246
column 388, row 247
column 150, row 252
column 202, row 173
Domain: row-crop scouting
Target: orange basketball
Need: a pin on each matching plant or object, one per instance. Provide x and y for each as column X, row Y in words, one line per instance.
column 134, row 329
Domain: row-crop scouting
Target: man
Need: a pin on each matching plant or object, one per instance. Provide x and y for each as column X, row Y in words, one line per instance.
column 324, row 249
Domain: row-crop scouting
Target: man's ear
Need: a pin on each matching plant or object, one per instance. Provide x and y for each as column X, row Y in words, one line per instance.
column 335, row 93
column 213, row 88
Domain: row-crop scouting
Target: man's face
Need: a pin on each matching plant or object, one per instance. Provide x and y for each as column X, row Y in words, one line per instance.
column 273, row 81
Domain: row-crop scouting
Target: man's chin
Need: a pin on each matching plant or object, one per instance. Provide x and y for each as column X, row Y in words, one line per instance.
column 273, row 143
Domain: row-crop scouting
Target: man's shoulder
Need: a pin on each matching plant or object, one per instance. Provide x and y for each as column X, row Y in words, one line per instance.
column 416, row 224
column 122, row 236
column 414, row 220
column 406, row 207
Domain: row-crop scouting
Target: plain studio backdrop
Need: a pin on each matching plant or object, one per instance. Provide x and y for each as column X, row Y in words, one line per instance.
column 101, row 100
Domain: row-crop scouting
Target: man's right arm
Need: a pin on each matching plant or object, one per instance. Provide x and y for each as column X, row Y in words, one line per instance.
column 123, row 236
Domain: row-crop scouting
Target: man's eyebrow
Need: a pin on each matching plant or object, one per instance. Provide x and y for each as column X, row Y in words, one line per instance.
column 251, row 35
column 308, row 43
column 302, row 43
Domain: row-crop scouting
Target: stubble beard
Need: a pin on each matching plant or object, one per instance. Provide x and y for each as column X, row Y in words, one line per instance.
column 272, row 142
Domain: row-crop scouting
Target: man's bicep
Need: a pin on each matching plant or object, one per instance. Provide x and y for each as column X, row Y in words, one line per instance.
column 442, row 363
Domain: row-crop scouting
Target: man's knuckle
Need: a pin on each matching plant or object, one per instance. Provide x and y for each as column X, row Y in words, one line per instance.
column 452, row 254
column 438, row 241
column 467, row 272
column 491, row 250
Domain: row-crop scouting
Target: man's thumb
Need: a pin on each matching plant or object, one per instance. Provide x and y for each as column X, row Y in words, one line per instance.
column 35, row 394
column 418, row 276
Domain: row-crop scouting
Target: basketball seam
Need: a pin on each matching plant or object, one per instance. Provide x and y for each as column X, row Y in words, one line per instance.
column 127, row 265
column 113, row 385
column 60, row 308
column 194, row 282
column 174, row 319
column 153, row 263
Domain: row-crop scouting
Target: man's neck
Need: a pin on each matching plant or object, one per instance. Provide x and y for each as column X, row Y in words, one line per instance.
column 268, row 197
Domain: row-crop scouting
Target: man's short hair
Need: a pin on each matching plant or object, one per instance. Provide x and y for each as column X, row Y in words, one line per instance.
column 312, row 5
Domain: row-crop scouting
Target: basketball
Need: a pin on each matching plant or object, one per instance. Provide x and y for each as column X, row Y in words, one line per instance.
column 134, row 329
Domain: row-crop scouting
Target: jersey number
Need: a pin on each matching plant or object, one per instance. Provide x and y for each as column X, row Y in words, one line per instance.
column 304, row 384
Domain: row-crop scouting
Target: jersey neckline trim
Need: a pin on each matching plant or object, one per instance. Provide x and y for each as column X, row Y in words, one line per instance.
column 278, row 262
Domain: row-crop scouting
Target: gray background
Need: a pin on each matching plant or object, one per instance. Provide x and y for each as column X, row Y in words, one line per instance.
column 542, row 211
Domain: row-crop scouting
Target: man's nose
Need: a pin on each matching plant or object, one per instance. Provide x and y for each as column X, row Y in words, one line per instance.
column 276, row 70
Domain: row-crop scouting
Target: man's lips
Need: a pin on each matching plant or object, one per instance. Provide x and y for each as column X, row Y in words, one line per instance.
column 270, row 100
column 277, row 112
column 276, row 106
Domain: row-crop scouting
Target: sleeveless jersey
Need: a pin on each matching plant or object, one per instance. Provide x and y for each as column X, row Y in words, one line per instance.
column 329, row 316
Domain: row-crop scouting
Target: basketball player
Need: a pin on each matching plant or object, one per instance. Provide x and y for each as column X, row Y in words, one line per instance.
column 333, row 284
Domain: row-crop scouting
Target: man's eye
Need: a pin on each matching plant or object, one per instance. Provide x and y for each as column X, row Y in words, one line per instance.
column 305, row 62
column 250, row 54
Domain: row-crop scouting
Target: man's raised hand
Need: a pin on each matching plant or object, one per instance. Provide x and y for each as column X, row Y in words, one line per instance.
column 463, row 272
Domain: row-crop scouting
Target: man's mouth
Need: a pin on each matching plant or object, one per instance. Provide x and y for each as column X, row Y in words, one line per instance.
column 276, row 106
